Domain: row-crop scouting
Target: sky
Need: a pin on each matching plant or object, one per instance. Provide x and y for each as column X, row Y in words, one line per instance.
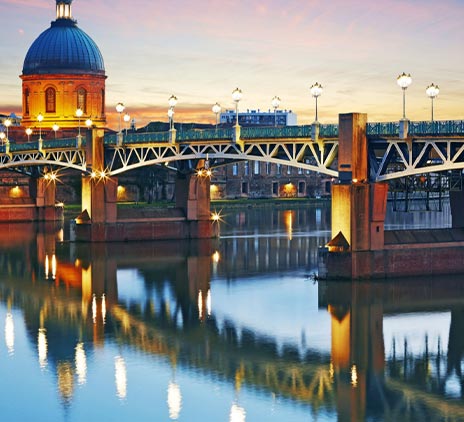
column 201, row 50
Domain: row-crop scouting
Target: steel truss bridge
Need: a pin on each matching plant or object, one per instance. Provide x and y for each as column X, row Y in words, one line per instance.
column 431, row 147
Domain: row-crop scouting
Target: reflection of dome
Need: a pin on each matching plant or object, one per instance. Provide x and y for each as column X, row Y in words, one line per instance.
column 63, row 48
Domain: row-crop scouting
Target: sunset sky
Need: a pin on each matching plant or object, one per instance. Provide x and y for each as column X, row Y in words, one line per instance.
column 200, row 50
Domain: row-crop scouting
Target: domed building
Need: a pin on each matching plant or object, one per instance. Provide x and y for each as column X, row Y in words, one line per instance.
column 63, row 71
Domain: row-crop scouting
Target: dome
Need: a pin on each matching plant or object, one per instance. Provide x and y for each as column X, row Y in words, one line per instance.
column 63, row 49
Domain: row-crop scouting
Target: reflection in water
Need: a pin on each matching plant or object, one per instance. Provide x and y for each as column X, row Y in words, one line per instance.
column 9, row 333
column 276, row 344
column 42, row 347
column 120, row 376
column 80, row 361
column 174, row 401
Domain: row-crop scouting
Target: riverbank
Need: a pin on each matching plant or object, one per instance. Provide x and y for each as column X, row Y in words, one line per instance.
column 73, row 210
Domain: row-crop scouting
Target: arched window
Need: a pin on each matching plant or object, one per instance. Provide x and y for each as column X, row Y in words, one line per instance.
column 82, row 99
column 26, row 101
column 50, row 100
column 102, row 102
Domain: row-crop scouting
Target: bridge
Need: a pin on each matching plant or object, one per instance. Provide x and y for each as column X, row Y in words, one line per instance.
column 361, row 157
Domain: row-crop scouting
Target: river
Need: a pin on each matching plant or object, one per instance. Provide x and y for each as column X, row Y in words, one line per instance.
column 232, row 329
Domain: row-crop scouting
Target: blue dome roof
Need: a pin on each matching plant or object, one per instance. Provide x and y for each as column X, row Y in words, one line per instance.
column 63, row 48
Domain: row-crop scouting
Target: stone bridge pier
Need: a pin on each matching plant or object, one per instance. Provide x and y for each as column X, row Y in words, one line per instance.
column 100, row 221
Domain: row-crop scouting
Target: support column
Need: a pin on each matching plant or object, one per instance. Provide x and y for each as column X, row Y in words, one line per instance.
column 358, row 207
column 193, row 198
column 99, row 193
column 43, row 192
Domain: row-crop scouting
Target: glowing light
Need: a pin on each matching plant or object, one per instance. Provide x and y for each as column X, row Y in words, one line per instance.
column 355, row 180
column 42, row 347
column 208, row 302
column 216, row 257
column 216, row 216
column 200, row 305
column 316, row 90
column 79, row 112
column 60, row 235
column 94, row 309
column 354, row 376
column 88, row 123
column 47, row 269
column 237, row 95
column 40, row 117
column 80, row 361
column 65, row 380
column 200, row 172
column 120, row 376
column 237, row 414
column 9, row 333
column 209, row 173
column 54, row 266
column 174, row 401
column 93, row 175
column 103, row 309
column 172, row 101
column 404, row 80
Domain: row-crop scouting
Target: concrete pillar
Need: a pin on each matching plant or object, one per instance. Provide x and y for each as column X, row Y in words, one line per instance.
column 99, row 192
column 43, row 192
column 358, row 207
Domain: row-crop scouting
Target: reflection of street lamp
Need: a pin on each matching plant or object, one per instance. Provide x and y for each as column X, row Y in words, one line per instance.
column 236, row 97
column 7, row 124
column 404, row 80
column 432, row 91
column 126, row 120
column 55, row 128
column 216, row 110
column 79, row 114
column 40, row 118
column 316, row 91
column 28, row 133
column 275, row 103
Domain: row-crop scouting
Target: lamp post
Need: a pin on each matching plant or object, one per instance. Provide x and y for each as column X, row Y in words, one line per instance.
column 28, row 133
column 275, row 103
column 40, row 118
column 55, row 128
column 79, row 114
column 236, row 97
column 172, row 103
column 7, row 124
column 432, row 91
column 126, row 120
column 403, row 81
column 216, row 110
column 316, row 92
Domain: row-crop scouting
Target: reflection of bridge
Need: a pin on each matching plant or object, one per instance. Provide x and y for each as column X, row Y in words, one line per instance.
column 347, row 379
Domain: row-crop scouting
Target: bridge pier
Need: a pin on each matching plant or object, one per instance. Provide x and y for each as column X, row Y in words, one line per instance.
column 457, row 207
column 100, row 221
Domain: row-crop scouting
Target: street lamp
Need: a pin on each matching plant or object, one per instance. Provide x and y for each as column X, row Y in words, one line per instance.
column 172, row 101
column 88, row 123
column 28, row 133
column 236, row 97
column 7, row 123
column 40, row 118
column 120, row 108
column 79, row 114
column 432, row 91
column 316, row 91
column 275, row 103
column 126, row 120
column 404, row 80
column 55, row 128
column 216, row 110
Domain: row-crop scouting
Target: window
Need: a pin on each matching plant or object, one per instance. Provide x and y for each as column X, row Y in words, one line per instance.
column 279, row 168
column 235, row 169
column 245, row 188
column 102, row 102
column 268, row 168
column 289, row 170
column 301, row 188
column 50, row 100
column 27, row 98
column 246, row 169
column 275, row 188
column 256, row 167
column 82, row 99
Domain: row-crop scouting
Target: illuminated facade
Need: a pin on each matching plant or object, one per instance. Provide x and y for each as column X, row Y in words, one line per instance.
column 63, row 71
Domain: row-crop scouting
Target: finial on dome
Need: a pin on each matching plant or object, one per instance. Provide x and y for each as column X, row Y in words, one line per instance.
column 63, row 9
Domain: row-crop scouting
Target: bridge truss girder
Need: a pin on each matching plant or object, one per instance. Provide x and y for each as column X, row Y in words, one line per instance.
column 304, row 154
column 395, row 158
